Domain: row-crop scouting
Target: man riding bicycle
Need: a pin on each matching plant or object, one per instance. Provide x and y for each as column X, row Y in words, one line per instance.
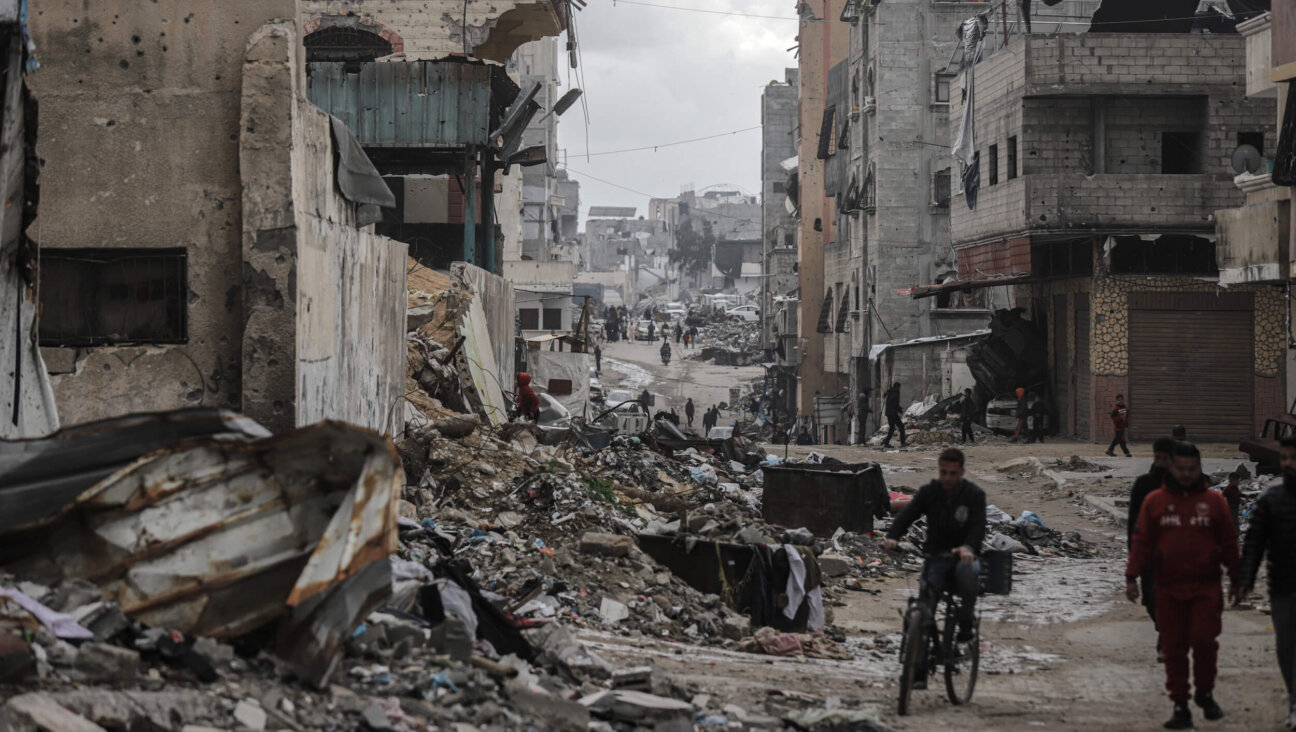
column 956, row 523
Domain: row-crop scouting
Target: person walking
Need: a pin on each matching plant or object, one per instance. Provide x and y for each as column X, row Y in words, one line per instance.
column 708, row 421
column 1185, row 531
column 1150, row 481
column 1038, row 416
column 967, row 413
column 598, row 359
column 1272, row 534
column 693, row 332
column 679, row 334
column 652, row 331
column 1023, row 407
column 689, row 411
column 1120, row 423
column 893, row 415
column 687, row 339
column 1232, row 493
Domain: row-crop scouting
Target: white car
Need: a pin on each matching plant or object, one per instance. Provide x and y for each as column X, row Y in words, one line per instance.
column 749, row 313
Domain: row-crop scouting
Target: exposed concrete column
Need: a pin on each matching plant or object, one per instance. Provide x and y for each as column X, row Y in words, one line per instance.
column 269, row 227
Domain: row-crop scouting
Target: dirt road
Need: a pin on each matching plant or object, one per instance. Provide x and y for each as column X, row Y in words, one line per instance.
column 636, row 365
column 1065, row 651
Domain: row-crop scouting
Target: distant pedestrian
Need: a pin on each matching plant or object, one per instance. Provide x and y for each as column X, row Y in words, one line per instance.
column 803, row 437
column 598, row 359
column 645, row 400
column 689, row 411
column 1038, row 416
column 1120, row 423
column 693, row 332
column 1023, row 408
column 652, row 331
column 1272, row 533
column 687, row 339
column 1179, row 432
column 679, row 334
column 528, row 404
column 967, row 414
column 862, row 413
column 1185, row 530
column 893, row 415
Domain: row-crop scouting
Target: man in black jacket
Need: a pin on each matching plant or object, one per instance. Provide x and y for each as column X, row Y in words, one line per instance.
column 1273, row 533
column 968, row 413
column 893, row 415
column 1162, row 456
column 956, row 524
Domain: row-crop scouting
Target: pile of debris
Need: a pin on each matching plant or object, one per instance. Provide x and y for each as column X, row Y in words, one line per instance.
column 729, row 342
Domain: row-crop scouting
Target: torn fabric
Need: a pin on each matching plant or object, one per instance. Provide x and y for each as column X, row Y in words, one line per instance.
column 357, row 178
column 972, row 35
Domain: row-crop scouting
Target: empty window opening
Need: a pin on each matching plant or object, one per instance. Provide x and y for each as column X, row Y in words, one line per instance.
column 1164, row 255
column 1012, row 158
column 941, row 187
column 1254, row 139
column 95, row 297
column 994, row 164
column 530, row 318
column 943, row 83
column 1180, row 153
column 553, row 318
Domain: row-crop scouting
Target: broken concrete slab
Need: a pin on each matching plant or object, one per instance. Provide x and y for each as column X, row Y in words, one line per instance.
column 48, row 714
column 639, row 708
column 250, row 714
column 835, row 565
column 419, row 316
column 607, row 545
column 102, row 662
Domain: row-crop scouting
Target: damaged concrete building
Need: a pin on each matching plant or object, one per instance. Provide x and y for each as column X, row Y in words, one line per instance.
column 779, row 231
column 1101, row 159
column 201, row 224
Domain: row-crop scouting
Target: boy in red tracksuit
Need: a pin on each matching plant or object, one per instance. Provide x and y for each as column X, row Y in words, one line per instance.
column 1186, row 532
column 1120, row 423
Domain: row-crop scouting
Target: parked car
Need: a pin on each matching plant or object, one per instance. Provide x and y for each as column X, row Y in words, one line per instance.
column 749, row 313
column 641, row 331
column 673, row 314
column 621, row 397
column 1001, row 415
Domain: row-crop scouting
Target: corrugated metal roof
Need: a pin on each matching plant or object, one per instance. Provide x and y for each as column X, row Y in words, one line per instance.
column 409, row 103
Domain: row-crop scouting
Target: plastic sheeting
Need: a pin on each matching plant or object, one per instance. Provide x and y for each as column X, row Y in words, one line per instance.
column 546, row 366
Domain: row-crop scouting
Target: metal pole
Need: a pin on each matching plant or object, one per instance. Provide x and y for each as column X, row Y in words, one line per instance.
column 470, row 207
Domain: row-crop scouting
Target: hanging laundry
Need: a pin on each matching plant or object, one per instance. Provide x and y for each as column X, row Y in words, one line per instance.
column 972, row 35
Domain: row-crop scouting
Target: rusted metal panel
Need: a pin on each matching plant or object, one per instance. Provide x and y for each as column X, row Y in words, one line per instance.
column 218, row 537
column 822, row 498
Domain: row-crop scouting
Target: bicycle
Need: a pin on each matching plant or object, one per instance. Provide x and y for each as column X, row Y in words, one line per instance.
column 925, row 647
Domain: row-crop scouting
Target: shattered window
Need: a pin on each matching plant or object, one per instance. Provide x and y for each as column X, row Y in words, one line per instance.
column 94, row 297
column 943, row 88
column 941, row 187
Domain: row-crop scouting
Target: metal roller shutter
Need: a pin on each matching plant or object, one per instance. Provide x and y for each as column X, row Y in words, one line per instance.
column 1192, row 366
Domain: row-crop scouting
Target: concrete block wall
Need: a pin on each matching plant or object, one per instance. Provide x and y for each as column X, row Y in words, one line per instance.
column 1135, row 59
column 324, row 336
column 1056, row 134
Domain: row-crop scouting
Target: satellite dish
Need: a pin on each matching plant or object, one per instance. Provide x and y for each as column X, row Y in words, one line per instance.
column 1247, row 159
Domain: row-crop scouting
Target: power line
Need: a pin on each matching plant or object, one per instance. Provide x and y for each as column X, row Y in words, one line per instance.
column 654, row 148
column 703, row 10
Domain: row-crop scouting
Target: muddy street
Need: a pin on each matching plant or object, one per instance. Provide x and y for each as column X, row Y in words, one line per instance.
column 636, row 365
column 1065, row 650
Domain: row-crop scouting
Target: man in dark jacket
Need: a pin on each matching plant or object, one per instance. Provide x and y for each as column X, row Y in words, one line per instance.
column 893, row 415
column 956, row 524
column 967, row 414
column 1143, row 487
column 1186, row 530
column 803, row 437
column 689, row 411
column 1272, row 533
column 1120, row 423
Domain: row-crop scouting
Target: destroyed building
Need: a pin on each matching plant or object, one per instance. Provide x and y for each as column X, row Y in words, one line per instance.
column 1101, row 159
column 779, row 231
column 202, row 226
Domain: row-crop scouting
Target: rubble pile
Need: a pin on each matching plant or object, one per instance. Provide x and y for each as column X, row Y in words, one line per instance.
column 729, row 342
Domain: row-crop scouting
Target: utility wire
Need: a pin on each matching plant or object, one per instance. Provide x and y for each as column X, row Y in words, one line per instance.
column 654, row 148
column 703, row 10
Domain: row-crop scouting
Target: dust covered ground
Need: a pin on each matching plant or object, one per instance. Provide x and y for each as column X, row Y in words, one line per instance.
column 1065, row 651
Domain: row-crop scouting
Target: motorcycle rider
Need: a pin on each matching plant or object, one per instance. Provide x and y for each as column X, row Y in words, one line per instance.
column 666, row 352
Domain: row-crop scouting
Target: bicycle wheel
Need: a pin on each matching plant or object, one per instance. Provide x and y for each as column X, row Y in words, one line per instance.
column 961, row 660
column 911, row 646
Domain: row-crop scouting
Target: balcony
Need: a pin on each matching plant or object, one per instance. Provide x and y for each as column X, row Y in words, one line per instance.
column 1254, row 240
column 525, row 22
column 413, row 111
column 1104, row 202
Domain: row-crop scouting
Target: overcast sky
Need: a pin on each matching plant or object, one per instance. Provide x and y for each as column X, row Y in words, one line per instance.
column 656, row 75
